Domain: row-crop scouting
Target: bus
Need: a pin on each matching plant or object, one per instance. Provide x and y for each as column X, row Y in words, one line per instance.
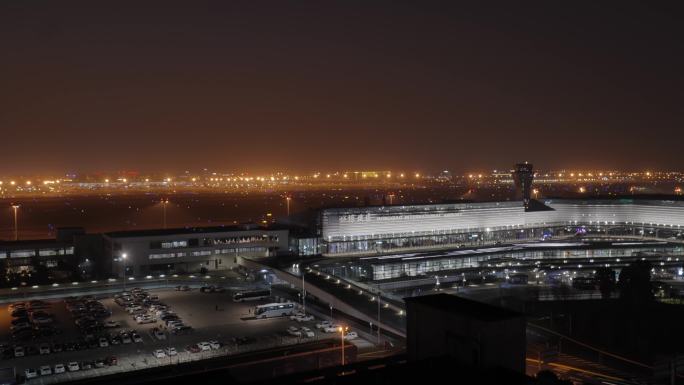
column 252, row 295
column 274, row 310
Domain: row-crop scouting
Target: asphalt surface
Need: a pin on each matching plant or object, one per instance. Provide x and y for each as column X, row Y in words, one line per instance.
column 196, row 309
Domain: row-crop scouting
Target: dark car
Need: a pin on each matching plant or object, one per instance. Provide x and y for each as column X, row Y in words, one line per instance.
column 111, row 360
column 243, row 340
column 20, row 321
column 193, row 348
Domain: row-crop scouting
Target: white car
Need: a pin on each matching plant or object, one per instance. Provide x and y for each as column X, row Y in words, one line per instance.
column 44, row 349
column 45, row 370
column 19, row 351
column 73, row 366
column 293, row 331
column 351, row 335
column 145, row 320
column 323, row 324
column 133, row 309
column 111, row 324
column 204, row 346
column 159, row 335
column 215, row 345
column 171, row 351
column 331, row 329
column 31, row 373
column 59, row 368
column 306, row 332
column 301, row 317
column 103, row 342
column 159, row 353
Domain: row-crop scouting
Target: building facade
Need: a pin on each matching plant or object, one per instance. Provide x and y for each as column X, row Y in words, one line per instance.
column 189, row 249
column 385, row 228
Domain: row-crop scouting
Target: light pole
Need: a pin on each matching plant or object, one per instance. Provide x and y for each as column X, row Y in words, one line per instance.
column 164, row 202
column 331, row 317
column 303, row 294
column 379, row 316
column 123, row 261
column 287, row 199
column 16, row 228
column 342, row 330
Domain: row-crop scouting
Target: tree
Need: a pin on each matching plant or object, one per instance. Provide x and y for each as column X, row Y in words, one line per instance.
column 605, row 277
column 635, row 283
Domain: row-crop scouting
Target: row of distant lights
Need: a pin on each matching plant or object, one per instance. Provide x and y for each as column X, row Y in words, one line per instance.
column 114, row 280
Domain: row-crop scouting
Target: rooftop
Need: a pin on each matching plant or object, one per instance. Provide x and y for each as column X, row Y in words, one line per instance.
column 190, row 230
column 462, row 306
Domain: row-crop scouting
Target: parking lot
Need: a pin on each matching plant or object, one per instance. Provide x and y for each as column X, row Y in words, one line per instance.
column 225, row 326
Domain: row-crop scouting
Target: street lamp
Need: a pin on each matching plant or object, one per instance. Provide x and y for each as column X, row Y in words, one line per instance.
column 164, row 202
column 288, row 199
column 304, row 294
column 123, row 261
column 16, row 228
column 342, row 330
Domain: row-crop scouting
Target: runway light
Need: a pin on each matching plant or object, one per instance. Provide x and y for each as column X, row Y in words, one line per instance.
column 74, row 283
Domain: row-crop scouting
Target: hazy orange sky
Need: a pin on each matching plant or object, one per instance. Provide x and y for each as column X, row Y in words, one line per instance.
column 302, row 85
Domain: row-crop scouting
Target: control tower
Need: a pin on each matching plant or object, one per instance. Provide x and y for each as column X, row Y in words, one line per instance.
column 523, row 175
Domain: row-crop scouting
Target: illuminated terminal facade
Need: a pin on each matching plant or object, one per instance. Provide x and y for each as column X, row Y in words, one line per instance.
column 363, row 230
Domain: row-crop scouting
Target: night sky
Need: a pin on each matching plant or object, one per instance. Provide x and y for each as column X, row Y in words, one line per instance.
column 316, row 85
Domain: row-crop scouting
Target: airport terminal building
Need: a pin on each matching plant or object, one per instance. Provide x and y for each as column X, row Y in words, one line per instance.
column 189, row 249
column 365, row 230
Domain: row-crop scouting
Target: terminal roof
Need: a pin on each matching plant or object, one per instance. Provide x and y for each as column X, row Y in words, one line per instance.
column 461, row 306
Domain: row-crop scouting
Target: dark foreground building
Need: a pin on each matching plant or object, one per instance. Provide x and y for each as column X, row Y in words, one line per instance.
column 471, row 333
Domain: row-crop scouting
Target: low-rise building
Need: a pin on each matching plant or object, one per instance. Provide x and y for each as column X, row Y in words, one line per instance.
column 194, row 249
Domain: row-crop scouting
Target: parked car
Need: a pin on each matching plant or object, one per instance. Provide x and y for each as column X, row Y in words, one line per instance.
column 293, row 331
column 159, row 353
column 19, row 351
column 306, row 332
column 73, row 366
column 126, row 339
column 44, row 349
column 111, row 360
column 323, row 324
column 183, row 288
column 59, row 368
column 351, row 335
column 111, row 324
column 136, row 337
column 301, row 317
column 159, row 335
column 103, row 342
column 215, row 345
column 31, row 373
column 145, row 320
column 45, row 370
column 193, row 348
column 331, row 328
column 170, row 351
column 204, row 346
